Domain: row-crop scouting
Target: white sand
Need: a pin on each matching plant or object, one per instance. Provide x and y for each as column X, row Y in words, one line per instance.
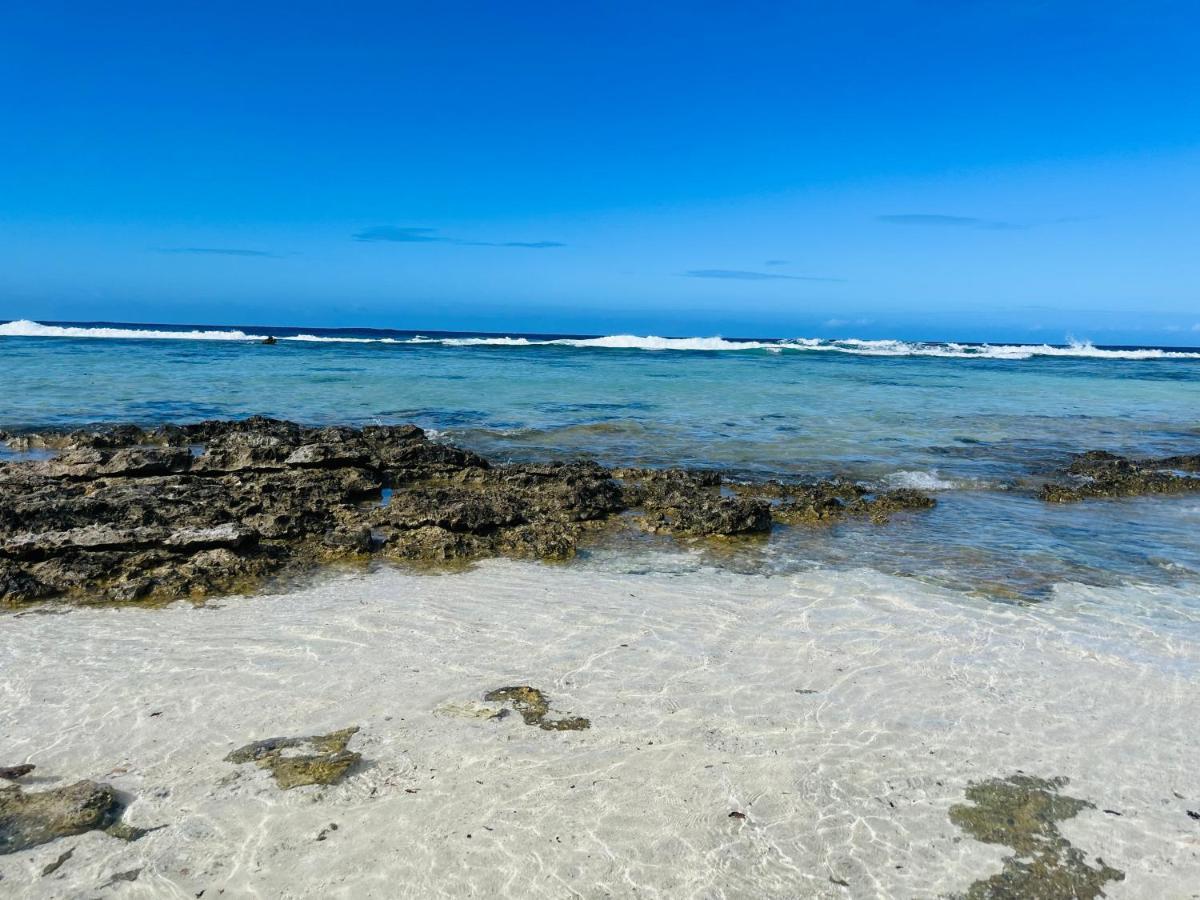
column 692, row 683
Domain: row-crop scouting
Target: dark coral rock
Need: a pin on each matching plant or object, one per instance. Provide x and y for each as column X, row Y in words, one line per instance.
column 28, row 819
column 433, row 543
column 19, row 586
column 549, row 540
column 717, row 516
column 808, row 504
column 818, row 502
column 881, row 506
column 687, row 502
column 534, row 708
column 665, row 488
column 453, row 509
column 298, row 761
column 348, row 539
column 1099, row 473
column 186, row 511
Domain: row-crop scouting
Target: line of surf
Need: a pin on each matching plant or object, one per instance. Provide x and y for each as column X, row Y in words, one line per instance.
column 853, row 346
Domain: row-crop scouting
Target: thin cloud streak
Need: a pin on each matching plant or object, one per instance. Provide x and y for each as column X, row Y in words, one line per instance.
column 940, row 221
column 396, row 234
column 743, row 275
column 217, row 251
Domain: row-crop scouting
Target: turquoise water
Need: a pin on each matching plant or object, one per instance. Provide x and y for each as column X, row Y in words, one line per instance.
column 979, row 426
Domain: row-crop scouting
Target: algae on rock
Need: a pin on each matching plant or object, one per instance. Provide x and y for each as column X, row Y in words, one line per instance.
column 28, row 819
column 534, row 707
column 297, row 761
column 1023, row 812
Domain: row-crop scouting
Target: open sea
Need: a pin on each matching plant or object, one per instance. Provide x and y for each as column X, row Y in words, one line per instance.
column 979, row 426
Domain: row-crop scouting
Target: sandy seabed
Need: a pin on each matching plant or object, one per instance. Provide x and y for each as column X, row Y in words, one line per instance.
column 843, row 714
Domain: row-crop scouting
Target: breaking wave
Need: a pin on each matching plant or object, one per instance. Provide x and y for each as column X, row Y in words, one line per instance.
column 854, row 346
column 26, row 328
column 919, row 480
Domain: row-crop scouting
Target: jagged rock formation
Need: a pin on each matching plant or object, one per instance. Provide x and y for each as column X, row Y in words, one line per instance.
column 121, row 513
column 1098, row 473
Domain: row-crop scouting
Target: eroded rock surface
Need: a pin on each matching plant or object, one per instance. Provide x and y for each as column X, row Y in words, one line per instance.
column 1098, row 473
column 30, row 818
column 298, row 761
column 534, row 707
column 1022, row 812
column 127, row 514
column 825, row 501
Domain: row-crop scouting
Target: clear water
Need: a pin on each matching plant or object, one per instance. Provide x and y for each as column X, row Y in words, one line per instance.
column 979, row 426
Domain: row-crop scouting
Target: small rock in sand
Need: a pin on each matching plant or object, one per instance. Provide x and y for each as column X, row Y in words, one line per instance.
column 297, row 761
column 30, row 819
column 533, row 706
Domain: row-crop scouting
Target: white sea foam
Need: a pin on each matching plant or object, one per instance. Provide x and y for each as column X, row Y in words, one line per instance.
column 853, row 346
column 634, row 342
column 26, row 328
column 923, row 481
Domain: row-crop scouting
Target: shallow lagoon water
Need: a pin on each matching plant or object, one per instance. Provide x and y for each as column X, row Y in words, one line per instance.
column 843, row 715
column 981, row 427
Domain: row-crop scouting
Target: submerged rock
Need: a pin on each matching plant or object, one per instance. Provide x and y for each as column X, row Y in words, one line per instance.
column 688, row 503
column 298, row 761
column 694, row 516
column 880, row 506
column 28, row 819
column 1099, row 473
column 534, row 707
column 1022, row 812
column 818, row 502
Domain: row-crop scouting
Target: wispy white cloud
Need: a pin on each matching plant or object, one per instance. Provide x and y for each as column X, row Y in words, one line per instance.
column 407, row 234
column 940, row 221
column 217, row 251
column 744, row 275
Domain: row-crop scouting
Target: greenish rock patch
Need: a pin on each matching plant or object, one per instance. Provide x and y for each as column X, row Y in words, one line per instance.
column 28, row 819
column 1022, row 812
column 822, row 502
column 1099, row 474
column 298, row 761
column 534, row 708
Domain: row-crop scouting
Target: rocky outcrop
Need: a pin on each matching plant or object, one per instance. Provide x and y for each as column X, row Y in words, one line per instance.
column 28, row 819
column 824, row 501
column 1098, row 473
column 689, row 502
column 179, row 511
column 298, row 761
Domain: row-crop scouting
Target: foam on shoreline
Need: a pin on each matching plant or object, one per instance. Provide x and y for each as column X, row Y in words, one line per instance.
column 842, row 713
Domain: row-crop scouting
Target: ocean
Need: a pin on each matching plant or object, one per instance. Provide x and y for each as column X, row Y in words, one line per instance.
column 978, row 426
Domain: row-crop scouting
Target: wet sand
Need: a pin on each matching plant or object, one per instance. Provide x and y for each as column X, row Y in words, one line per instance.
column 842, row 714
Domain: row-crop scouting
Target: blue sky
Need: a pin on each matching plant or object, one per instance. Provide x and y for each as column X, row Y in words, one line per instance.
column 977, row 170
